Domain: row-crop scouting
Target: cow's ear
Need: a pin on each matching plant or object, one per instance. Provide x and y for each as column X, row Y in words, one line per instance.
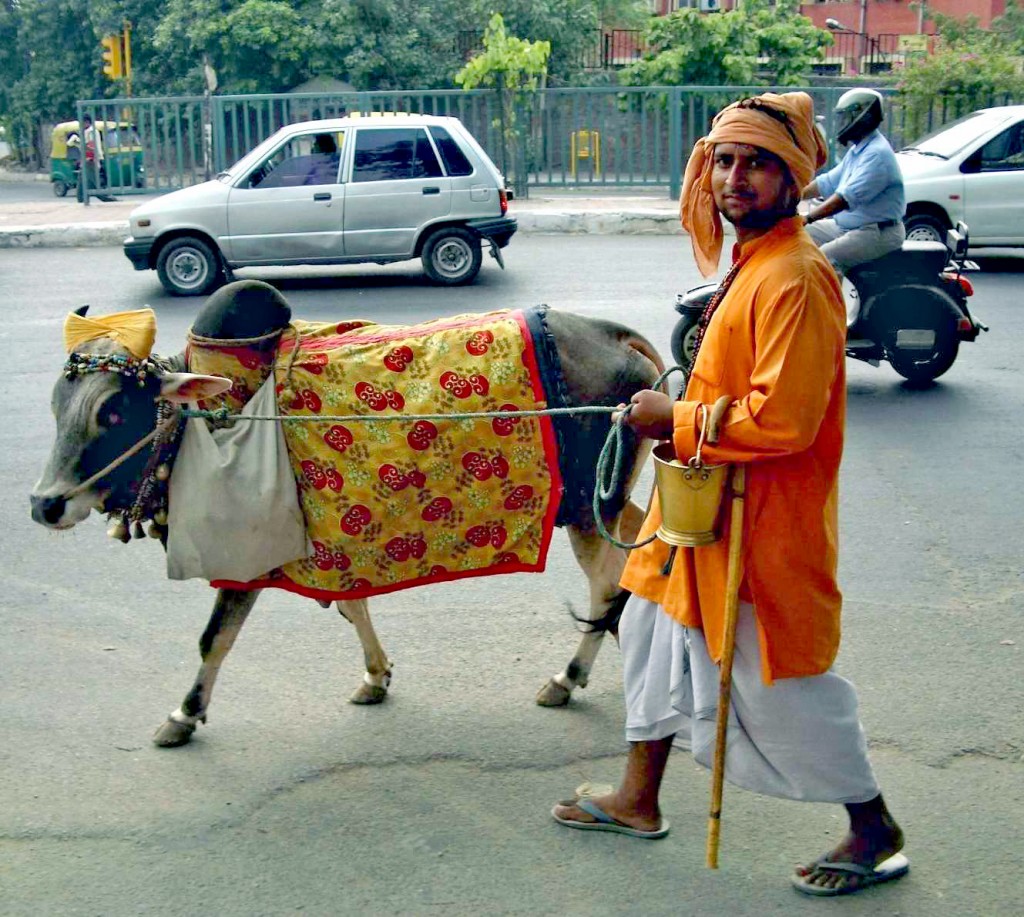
column 81, row 310
column 184, row 387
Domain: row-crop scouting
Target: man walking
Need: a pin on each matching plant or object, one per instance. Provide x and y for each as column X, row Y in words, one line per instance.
column 772, row 339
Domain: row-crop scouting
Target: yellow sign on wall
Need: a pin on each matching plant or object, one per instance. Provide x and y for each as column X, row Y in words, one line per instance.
column 912, row 43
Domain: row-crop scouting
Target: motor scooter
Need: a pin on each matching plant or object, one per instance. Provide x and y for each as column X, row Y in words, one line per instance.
column 913, row 309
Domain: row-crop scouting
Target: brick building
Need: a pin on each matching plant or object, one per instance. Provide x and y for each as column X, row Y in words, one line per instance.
column 871, row 16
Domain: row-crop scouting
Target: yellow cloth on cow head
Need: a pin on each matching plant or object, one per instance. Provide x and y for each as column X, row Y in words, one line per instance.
column 783, row 125
column 134, row 330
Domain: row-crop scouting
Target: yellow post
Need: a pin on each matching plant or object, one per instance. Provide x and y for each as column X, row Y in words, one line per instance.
column 585, row 144
column 128, row 58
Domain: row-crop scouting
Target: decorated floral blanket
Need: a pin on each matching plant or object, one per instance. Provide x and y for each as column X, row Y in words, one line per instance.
column 389, row 505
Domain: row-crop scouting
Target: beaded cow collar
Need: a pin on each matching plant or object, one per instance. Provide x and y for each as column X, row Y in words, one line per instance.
column 82, row 364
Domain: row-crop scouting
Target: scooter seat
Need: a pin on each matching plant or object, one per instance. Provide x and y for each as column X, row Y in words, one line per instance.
column 915, row 259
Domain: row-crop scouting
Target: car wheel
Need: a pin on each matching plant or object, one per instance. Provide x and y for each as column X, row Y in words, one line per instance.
column 60, row 188
column 188, row 267
column 452, row 256
column 925, row 228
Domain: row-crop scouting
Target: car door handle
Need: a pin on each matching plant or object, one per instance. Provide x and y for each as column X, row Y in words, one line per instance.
column 322, row 196
column 431, row 190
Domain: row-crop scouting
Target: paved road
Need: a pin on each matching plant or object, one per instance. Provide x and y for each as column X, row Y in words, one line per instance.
column 436, row 803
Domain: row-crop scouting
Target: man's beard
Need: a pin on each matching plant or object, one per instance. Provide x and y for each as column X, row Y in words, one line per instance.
column 763, row 219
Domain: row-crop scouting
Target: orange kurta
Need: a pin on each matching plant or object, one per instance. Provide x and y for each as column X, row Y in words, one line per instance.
column 776, row 344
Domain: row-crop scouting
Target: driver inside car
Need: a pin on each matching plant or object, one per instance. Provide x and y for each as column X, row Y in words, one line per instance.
column 323, row 168
column 861, row 216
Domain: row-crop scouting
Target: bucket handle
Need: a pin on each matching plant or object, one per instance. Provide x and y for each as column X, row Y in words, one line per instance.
column 710, row 427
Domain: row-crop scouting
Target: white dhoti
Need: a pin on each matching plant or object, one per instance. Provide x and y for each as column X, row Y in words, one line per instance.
column 799, row 738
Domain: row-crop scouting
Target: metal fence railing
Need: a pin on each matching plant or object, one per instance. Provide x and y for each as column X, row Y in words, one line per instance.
column 852, row 53
column 611, row 137
column 613, row 48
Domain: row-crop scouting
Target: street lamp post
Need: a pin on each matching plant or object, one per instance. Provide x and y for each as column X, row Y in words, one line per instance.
column 863, row 29
column 867, row 43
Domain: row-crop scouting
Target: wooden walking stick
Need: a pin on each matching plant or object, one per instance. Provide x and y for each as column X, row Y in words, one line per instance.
column 732, row 599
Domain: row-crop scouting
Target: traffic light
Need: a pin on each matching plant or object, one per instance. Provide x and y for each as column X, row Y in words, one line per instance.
column 113, row 63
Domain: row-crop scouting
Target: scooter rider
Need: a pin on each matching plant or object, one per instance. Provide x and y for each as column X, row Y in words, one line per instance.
column 861, row 217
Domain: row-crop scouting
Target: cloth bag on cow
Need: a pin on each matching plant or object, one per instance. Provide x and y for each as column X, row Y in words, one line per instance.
column 233, row 509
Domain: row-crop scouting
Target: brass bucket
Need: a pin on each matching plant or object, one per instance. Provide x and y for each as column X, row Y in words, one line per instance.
column 691, row 492
column 690, row 495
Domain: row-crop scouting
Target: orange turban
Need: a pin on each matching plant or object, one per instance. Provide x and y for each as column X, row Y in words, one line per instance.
column 135, row 330
column 792, row 137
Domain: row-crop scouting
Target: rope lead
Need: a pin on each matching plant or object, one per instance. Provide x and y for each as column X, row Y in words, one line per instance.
column 609, row 470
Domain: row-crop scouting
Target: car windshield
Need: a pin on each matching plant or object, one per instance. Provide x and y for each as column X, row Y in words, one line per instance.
column 952, row 138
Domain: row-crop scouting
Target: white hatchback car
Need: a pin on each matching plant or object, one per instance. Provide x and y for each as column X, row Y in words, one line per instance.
column 339, row 191
column 970, row 170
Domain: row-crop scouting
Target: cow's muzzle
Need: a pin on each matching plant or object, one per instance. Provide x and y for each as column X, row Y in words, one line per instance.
column 47, row 510
column 59, row 512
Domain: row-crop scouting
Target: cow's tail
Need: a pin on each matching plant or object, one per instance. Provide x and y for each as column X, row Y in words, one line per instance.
column 646, row 349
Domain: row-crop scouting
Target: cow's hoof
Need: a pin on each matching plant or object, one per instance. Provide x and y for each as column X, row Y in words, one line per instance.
column 368, row 694
column 553, row 695
column 171, row 734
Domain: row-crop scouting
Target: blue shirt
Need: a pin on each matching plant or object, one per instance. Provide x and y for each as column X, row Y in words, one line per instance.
column 868, row 178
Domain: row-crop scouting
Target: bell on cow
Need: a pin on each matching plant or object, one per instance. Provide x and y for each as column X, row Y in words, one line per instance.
column 690, row 495
column 163, row 471
column 119, row 531
column 160, row 517
column 155, row 530
column 138, row 531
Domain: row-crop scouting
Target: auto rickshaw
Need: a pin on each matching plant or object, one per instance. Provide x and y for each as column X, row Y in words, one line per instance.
column 122, row 165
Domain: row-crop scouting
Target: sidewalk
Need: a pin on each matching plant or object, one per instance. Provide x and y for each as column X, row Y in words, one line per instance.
column 64, row 223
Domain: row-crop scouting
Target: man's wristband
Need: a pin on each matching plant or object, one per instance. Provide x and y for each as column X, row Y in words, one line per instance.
column 810, row 218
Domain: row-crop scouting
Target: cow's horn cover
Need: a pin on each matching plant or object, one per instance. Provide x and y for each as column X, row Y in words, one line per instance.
column 134, row 330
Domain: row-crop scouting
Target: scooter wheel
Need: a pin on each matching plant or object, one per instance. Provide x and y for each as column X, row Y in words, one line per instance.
column 684, row 339
column 919, row 334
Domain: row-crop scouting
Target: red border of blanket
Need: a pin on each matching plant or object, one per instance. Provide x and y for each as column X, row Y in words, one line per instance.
column 550, row 456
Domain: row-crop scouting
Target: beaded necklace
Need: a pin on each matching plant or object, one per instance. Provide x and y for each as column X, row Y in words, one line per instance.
column 710, row 309
column 81, row 364
column 151, row 497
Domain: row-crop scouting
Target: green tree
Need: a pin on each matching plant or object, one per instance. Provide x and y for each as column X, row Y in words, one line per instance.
column 572, row 27
column 971, row 68
column 253, row 45
column 514, row 67
column 388, row 44
column 50, row 52
column 51, row 57
column 755, row 44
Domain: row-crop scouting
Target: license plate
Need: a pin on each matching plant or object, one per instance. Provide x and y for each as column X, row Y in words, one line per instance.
column 915, row 339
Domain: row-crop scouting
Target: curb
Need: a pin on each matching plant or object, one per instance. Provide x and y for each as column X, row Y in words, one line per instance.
column 75, row 235
column 642, row 222
column 608, row 222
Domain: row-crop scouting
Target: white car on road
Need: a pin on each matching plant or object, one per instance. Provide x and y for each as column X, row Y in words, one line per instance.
column 342, row 191
column 970, row 170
